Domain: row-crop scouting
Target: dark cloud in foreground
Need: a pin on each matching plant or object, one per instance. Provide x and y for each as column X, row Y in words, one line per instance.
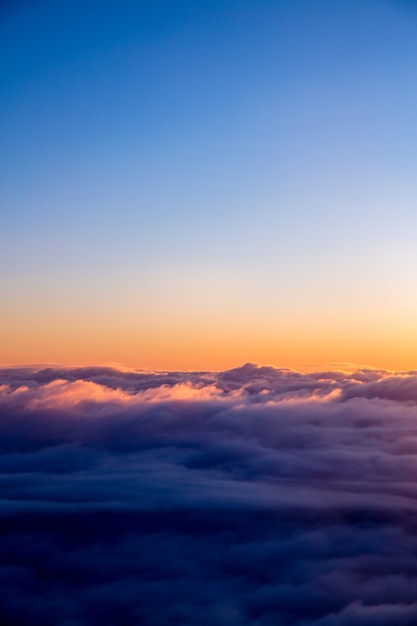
column 253, row 497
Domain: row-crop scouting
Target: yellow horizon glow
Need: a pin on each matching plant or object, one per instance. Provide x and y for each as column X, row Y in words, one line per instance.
column 212, row 349
column 209, row 321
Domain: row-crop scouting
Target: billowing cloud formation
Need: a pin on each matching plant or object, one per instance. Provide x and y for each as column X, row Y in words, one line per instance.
column 252, row 497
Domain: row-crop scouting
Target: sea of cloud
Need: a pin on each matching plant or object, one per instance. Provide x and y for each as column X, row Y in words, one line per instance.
column 252, row 497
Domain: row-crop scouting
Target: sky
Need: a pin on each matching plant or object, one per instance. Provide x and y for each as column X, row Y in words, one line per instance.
column 194, row 185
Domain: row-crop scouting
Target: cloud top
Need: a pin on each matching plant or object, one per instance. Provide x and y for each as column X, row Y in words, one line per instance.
column 255, row 496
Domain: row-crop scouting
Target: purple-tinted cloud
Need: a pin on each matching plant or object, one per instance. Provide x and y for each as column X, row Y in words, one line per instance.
column 252, row 497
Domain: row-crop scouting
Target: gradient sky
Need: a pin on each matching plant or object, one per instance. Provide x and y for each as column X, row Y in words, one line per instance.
column 196, row 184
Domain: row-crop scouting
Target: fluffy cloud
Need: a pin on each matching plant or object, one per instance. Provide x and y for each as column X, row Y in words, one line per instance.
column 252, row 497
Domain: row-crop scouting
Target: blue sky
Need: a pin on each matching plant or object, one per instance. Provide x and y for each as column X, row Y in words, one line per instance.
column 270, row 146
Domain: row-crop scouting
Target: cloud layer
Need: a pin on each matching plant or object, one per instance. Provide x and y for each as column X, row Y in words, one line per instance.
column 252, row 497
